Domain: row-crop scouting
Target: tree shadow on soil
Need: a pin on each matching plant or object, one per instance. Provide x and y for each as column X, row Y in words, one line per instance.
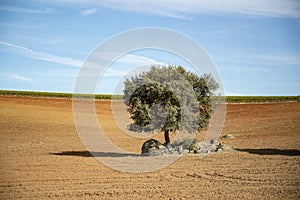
column 94, row 154
column 283, row 152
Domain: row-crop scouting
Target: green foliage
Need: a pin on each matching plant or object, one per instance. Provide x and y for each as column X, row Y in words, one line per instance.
column 192, row 145
column 187, row 144
column 169, row 99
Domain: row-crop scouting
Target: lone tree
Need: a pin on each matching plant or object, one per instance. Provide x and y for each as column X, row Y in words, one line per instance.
column 168, row 99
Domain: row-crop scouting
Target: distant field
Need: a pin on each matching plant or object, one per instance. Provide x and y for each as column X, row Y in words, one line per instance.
column 249, row 99
column 55, row 94
column 230, row 99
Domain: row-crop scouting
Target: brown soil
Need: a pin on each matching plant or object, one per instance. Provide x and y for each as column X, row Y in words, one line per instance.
column 41, row 156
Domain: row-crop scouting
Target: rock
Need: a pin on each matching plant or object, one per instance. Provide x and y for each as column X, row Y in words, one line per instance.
column 227, row 136
column 153, row 147
column 220, row 147
column 184, row 145
column 197, row 146
column 205, row 148
column 184, row 152
column 150, row 146
column 213, row 141
column 200, row 145
column 179, row 149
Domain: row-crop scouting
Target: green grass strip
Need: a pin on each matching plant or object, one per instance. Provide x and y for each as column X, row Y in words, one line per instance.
column 229, row 99
column 57, row 94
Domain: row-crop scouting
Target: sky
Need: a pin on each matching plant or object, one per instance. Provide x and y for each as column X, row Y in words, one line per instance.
column 255, row 44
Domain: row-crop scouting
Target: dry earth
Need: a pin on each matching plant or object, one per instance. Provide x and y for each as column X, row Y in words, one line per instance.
column 42, row 156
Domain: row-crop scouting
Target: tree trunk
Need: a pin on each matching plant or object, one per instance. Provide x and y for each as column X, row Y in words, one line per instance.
column 167, row 138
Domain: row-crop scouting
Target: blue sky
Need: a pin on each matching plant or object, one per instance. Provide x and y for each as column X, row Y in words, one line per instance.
column 254, row 44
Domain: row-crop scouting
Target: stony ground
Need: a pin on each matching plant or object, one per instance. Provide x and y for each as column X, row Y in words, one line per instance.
column 42, row 157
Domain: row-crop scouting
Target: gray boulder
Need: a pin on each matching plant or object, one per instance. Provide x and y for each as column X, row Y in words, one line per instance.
column 153, row 147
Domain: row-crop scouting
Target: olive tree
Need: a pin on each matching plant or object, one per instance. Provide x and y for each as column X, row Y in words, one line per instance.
column 169, row 98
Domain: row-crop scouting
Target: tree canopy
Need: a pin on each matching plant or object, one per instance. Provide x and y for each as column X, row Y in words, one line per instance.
column 169, row 98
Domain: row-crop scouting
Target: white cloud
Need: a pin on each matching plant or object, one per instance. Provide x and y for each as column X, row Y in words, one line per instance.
column 88, row 12
column 16, row 77
column 111, row 72
column 137, row 60
column 262, row 60
column 127, row 59
column 188, row 9
column 38, row 55
column 119, row 67
column 284, row 59
column 246, row 69
column 26, row 10
column 22, row 26
column 126, row 62
column 257, row 69
column 22, row 78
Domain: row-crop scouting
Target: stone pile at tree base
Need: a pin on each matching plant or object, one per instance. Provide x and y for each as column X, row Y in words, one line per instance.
column 153, row 147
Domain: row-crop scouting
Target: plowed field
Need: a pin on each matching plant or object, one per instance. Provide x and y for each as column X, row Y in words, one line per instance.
column 42, row 156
